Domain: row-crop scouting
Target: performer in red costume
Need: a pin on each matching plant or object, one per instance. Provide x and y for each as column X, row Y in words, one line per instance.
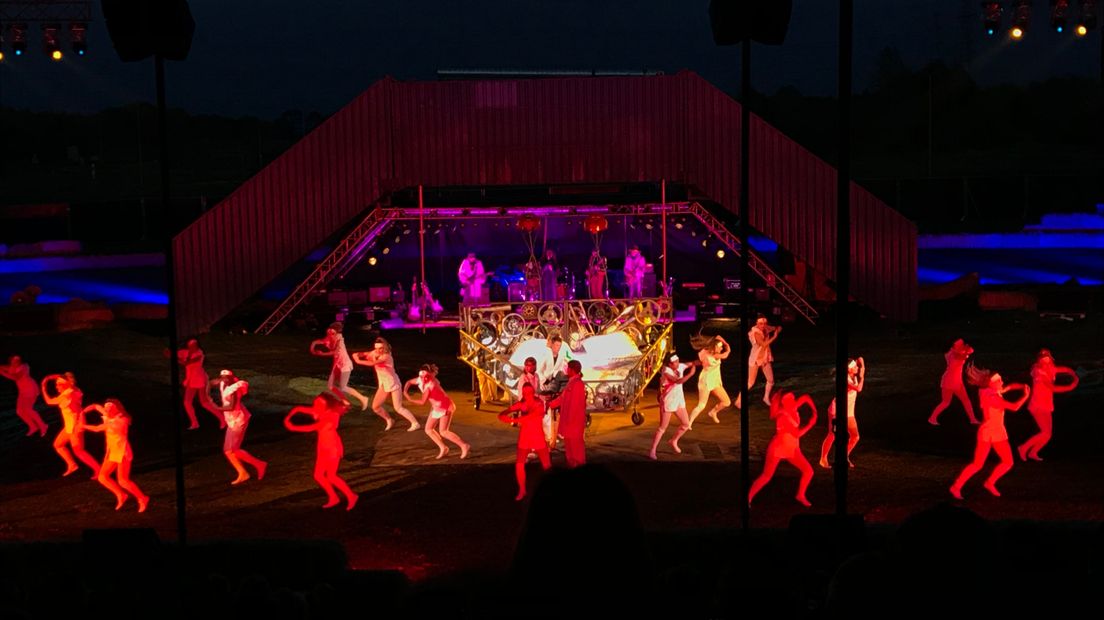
column 572, row 404
column 528, row 413
column 439, row 424
column 326, row 411
column 786, row 444
column 951, row 383
column 69, row 400
column 117, row 454
column 389, row 385
column 1041, row 404
column 233, row 390
column 856, row 377
column 196, row 382
column 27, row 390
column 672, row 401
column 991, row 433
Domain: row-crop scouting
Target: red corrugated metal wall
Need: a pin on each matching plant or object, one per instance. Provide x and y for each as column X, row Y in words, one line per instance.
column 613, row 129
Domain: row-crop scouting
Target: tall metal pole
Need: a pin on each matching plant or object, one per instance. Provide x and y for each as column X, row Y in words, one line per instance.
column 663, row 210
column 170, row 283
column 745, row 279
column 843, row 250
column 421, row 252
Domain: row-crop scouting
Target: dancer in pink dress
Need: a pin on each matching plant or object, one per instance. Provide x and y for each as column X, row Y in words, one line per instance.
column 69, row 400
column 951, row 383
column 326, row 411
column 856, row 378
column 197, row 382
column 786, row 444
column 991, row 433
column 118, row 457
column 389, row 384
column 1044, row 376
column 27, row 393
column 439, row 424
column 672, row 401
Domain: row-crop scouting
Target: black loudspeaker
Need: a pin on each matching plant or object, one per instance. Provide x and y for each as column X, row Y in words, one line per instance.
column 765, row 21
column 143, row 28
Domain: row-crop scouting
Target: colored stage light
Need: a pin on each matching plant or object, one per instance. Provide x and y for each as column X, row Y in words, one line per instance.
column 991, row 17
column 1058, row 11
column 77, row 38
column 19, row 38
column 720, row 253
column 1017, row 33
column 1082, row 30
column 372, row 261
column 1021, row 18
column 50, row 41
column 55, row 55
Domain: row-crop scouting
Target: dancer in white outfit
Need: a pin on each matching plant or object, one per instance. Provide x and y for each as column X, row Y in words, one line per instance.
column 380, row 359
column 761, row 336
column 333, row 345
column 711, row 352
column 672, row 401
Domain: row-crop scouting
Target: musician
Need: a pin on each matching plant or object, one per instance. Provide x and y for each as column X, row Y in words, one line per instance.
column 634, row 272
column 472, row 276
column 549, row 271
column 596, row 275
column 533, row 280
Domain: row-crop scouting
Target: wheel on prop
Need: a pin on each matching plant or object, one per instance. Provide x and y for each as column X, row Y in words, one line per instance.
column 637, row 417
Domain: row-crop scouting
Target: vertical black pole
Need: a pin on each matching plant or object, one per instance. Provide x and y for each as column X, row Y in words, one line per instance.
column 170, row 283
column 843, row 251
column 745, row 277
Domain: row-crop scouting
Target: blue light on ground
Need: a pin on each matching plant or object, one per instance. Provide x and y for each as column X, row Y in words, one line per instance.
column 137, row 285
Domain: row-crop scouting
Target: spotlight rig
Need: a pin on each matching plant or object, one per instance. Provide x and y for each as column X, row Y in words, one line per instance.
column 18, row 15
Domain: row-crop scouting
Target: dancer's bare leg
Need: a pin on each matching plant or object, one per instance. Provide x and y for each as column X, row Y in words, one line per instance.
column 208, row 404
column 1004, row 451
column 24, row 408
column 980, row 454
column 945, row 402
column 357, row 395
column 322, row 477
column 802, row 464
column 753, row 374
column 724, row 402
column 431, row 432
column 445, row 427
column 703, row 400
column 104, row 478
column 684, row 425
column 769, row 467
column 826, row 447
column 852, row 438
column 1030, row 448
column 377, row 407
column 238, row 467
column 331, row 465
column 257, row 463
column 519, row 472
column 76, row 441
column 189, row 407
column 664, row 419
column 964, row 398
column 61, row 443
column 128, row 484
column 397, row 403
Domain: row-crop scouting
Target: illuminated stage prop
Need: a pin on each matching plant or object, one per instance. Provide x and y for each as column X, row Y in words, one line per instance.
column 619, row 342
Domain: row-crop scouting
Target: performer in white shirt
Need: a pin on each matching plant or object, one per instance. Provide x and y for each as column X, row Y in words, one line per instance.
column 232, row 390
column 672, row 402
column 761, row 336
column 634, row 272
column 472, row 276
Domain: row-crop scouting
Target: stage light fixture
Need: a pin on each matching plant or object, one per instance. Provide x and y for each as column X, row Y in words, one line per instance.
column 50, row 41
column 1086, row 20
column 372, row 261
column 720, row 253
column 77, row 38
column 19, row 39
column 991, row 17
column 1059, row 9
column 1021, row 18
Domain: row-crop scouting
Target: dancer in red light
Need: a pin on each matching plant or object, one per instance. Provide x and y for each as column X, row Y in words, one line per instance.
column 233, row 390
column 117, row 454
column 440, row 416
column 856, row 378
column 196, row 382
column 333, row 345
column 1044, row 375
column 326, row 411
column 951, row 383
column 712, row 350
column 69, row 400
column 572, row 423
column 528, row 413
column 991, row 433
column 389, row 384
column 672, row 401
column 786, row 444
column 27, row 390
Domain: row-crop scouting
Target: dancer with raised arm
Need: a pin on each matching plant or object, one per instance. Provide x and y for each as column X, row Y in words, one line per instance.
column 27, row 393
column 69, row 401
column 118, row 456
column 1044, row 376
column 761, row 335
column 233, row 390
column 528, row 413
column 672, row 401
column 389, row 385
column 856, row 378
column 326, row 411
column 333, row 345
column 951, row 383
column 712, row 350
column 197, row 382
column 786, row 444
column 991, row 433
column 439, row 424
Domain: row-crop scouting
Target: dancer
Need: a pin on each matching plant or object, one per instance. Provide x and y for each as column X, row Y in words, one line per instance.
column 711, row 352
column 326, row 411
column 761, row 336
column 991, row 433
column 380, row 359
column 117, row 454
column 196, row 382
column 951, row 383
column 527, row 414
column 333, row 345
column 68, row 400
column 1041, row 405
column 635, row 265
column 27, row 393
column 596, row 275
column 233, row 390
column 572, row 419
column 856, row 377
column 786, row 444
column 441, row 410
column 528, row 375
column 672, row 401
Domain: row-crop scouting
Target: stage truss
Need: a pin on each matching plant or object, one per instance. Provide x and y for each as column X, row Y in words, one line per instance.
column 495, row 338
column 378, row 219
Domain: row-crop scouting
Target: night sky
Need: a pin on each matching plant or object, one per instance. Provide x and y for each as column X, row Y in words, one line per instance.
column 264, row 57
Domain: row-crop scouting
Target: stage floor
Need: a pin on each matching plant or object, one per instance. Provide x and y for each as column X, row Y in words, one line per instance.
column 427, row 517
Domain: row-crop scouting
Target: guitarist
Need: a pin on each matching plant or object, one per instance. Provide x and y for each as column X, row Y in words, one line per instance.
column 472, row 276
